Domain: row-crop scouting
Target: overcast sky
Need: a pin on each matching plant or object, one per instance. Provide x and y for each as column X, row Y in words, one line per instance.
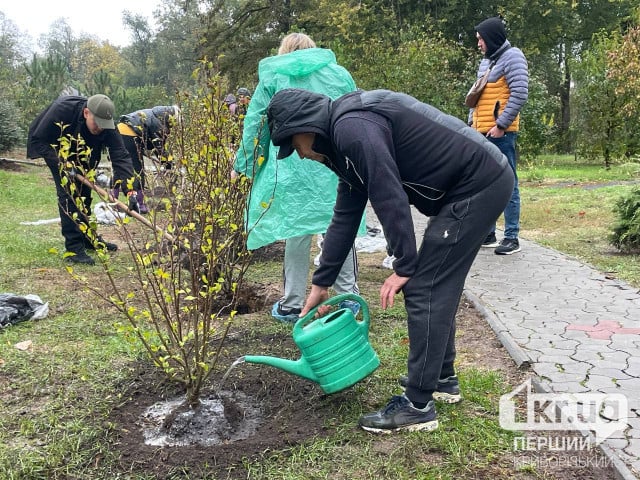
column 101, row 19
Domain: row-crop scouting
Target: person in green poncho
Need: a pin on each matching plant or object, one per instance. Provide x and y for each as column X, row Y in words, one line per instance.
column 290, row 199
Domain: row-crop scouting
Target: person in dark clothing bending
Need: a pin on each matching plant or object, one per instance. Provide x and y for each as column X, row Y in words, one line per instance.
column 87, row 126
column 394, row 151
column 145, row 132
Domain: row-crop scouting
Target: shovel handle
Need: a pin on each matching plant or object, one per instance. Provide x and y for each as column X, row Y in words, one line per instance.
column 104, row 194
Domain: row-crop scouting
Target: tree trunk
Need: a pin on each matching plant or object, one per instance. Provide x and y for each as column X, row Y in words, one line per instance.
column 566, row 145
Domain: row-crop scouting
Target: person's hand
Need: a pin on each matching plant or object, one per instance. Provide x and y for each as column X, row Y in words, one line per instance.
column 133, row 202
column 495, row 132
column 391, row 286
column 234, row 174
column 316, row 297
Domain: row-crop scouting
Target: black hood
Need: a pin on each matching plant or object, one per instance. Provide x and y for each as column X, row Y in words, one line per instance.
column 493, row 33
column 294, row 110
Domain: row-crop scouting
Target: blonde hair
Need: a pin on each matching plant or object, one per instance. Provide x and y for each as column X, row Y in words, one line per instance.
column 295, row 41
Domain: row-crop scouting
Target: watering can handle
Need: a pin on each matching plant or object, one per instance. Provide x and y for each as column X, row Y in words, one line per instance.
column 297, row 328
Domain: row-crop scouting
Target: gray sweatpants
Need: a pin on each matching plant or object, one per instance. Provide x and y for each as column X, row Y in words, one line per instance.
column 297, row 252
column 449, row 247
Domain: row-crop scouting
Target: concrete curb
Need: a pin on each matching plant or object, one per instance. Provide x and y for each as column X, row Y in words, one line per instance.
column 519, row 356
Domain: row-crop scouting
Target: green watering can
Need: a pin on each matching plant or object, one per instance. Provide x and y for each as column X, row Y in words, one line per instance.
column 335, row 349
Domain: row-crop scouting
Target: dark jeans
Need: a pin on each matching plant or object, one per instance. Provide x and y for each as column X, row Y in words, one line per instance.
column 507, row 145
column 449, row 247
column 74, row 239
column 135, row 147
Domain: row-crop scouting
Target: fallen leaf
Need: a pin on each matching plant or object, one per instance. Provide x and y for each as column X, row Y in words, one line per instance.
column 26, row 345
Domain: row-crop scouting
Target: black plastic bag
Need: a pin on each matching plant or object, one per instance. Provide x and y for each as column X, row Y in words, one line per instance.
column 16, row 308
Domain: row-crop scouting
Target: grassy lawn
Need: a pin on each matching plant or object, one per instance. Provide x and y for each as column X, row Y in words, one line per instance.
column 570, row 209
column 57, row 394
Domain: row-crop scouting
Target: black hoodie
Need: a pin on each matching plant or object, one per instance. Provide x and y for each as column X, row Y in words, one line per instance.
column 493, row 33
column 392, row 150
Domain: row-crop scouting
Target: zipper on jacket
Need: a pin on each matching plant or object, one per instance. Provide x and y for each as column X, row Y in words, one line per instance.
column 415, row 189
column 349, row 162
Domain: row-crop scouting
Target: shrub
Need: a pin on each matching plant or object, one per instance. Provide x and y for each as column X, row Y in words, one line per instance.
column 186, row 272
column 626, row 233
column 10, row 134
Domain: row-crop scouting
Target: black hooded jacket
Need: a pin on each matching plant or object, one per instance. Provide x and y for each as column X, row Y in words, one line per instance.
column 45, row 131
column 152, row 125
column 493, row 33
column 392, row 150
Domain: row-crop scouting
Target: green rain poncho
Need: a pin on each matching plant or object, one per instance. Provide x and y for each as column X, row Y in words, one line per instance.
column 289, row 197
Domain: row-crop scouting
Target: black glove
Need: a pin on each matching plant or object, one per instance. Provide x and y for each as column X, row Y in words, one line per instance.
column 133, row 202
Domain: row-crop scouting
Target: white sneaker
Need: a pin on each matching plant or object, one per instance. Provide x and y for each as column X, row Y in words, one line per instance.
column 388, row 262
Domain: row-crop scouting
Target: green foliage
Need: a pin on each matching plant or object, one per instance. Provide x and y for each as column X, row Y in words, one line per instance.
column 43, row 80
column 426, row 49
column 538, row 127
column 599, row 121
column 10, row 133
column 423, row 64
column 626, row 232
column 135, row 98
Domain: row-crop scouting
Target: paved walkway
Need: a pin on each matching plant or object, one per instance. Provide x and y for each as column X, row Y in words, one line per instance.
column 577, row 331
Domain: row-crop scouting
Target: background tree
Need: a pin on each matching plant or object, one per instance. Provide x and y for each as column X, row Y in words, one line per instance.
column 42, row 80
column 177, row 48
column 624, row 71
column 93, row 56
column 12, row 54
column 384, row 43
column 60, row 43
column 600, row 132
column 140, row 51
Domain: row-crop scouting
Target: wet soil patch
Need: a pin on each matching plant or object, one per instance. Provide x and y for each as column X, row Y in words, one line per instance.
column 291, row 409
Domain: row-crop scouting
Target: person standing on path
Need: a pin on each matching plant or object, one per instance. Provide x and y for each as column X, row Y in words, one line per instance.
column 497, row 114
column 289, row 199
column 87, row 126
column 394, row 151
column 145, row 132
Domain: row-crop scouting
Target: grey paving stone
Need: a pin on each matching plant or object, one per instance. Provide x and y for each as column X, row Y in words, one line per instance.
column 631, row 385
column 634, row 431
column 569, row 387
column 617, row 442
column 601, row 383
column 561, row 294
column 613, row 373
column 521, row 333
column 633, row 366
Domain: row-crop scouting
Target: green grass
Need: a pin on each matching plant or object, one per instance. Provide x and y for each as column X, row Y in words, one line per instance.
column 564, row 168
column 571, row 210
column 55, row 397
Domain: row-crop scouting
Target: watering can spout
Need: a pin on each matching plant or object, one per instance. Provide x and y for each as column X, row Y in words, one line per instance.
column 300, row 367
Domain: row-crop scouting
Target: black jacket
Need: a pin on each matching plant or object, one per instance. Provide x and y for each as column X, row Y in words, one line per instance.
column 392, row 150
column 45, row 131
column 152, row 125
